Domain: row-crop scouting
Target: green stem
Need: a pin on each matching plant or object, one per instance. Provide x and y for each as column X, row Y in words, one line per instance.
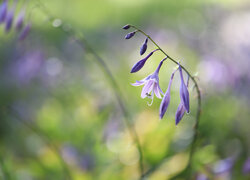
column 114, row 85
column 198, row 113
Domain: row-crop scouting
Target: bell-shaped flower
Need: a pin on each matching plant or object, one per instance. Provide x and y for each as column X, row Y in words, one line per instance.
column 3, row 10
column 151, row 84
column 184, row 94
column 166, row 99
column 137, row 66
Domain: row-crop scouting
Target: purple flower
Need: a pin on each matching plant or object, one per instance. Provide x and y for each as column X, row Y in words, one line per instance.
column 166, row 99
column 246, row 166
column 151, row 83
column 20, row 19
column 9, row 20
column 130, row 35
column 224, row 166
column 3, row 11
column 137, row 66
column 126, row 27
column 144, row 47
column 24, row 33
column 184, row 95
column 179, row 113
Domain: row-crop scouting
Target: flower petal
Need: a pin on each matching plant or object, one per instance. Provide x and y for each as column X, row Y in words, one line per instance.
column 147, row 88
column 164, row 104
column 138, row 83
column 157, row 90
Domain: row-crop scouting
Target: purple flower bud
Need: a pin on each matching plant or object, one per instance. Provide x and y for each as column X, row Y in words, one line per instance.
column 166, row 99
column 179, row 113
column 246, row 167
column 140, row 63
column 24, row 33
column 144, row 47
column 3, row 11
column 126, row 27
column 184, row 95
column 19, row 22
column 130, row 35
column 9, row 20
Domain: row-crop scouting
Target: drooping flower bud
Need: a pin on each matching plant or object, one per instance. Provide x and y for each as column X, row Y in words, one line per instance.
column 140, row 63
column 20, row 19
column 166, row 99
column 130, row 35
column 9, row 20
column 144, row 47
column 24, row 33
column 184, row 94
column 126, row 27
column 179, row 113
column 3, row 11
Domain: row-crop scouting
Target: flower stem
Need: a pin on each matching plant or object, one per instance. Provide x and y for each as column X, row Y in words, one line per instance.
column 82, row 41
column 198, row 113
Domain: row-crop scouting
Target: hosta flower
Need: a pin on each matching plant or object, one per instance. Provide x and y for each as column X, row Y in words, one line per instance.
column 151, row 84
column 19, row 21
column 130, row 35
column 166, row 99
column 25, row 32
column 9, row 20
column 184, row 95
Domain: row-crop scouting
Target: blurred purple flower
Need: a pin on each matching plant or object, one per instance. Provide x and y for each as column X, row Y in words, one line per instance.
column 224, row 166
column 201, row 177
column 69, row 153
column 184, row 95
column 166, row 99
column 24, row 33
column 20, row 19
column 130, row 35
column 28, row 66
column 3, row 11
column 9, row 20
column 87, row 162
column 151, row 83
column 144, row 47
column 137, row 66
column 246, row 166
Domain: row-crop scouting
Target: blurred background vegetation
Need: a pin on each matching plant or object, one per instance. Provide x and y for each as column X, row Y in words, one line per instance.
column 59, row 115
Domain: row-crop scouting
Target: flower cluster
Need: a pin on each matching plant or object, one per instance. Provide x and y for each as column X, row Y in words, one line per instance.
column 151, row 83
column 7, row 17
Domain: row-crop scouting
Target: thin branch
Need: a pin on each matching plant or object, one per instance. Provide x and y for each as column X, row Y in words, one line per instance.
column 198, row 113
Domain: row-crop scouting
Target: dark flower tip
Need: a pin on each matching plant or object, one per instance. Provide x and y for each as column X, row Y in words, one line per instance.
column 126, row 27
column 130, row 35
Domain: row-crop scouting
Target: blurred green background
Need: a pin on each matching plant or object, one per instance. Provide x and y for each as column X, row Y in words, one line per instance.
column 59, row 114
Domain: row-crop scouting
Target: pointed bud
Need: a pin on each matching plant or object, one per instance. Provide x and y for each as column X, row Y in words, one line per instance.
column 3, row 11
column 184, row 94
column 130, row 35
column 179, row 113
column 24, row 33
column 140, row 63
column 9, row 20
column 126, row 27
column 19, row 22
column 144, row 47
column 166, row 99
